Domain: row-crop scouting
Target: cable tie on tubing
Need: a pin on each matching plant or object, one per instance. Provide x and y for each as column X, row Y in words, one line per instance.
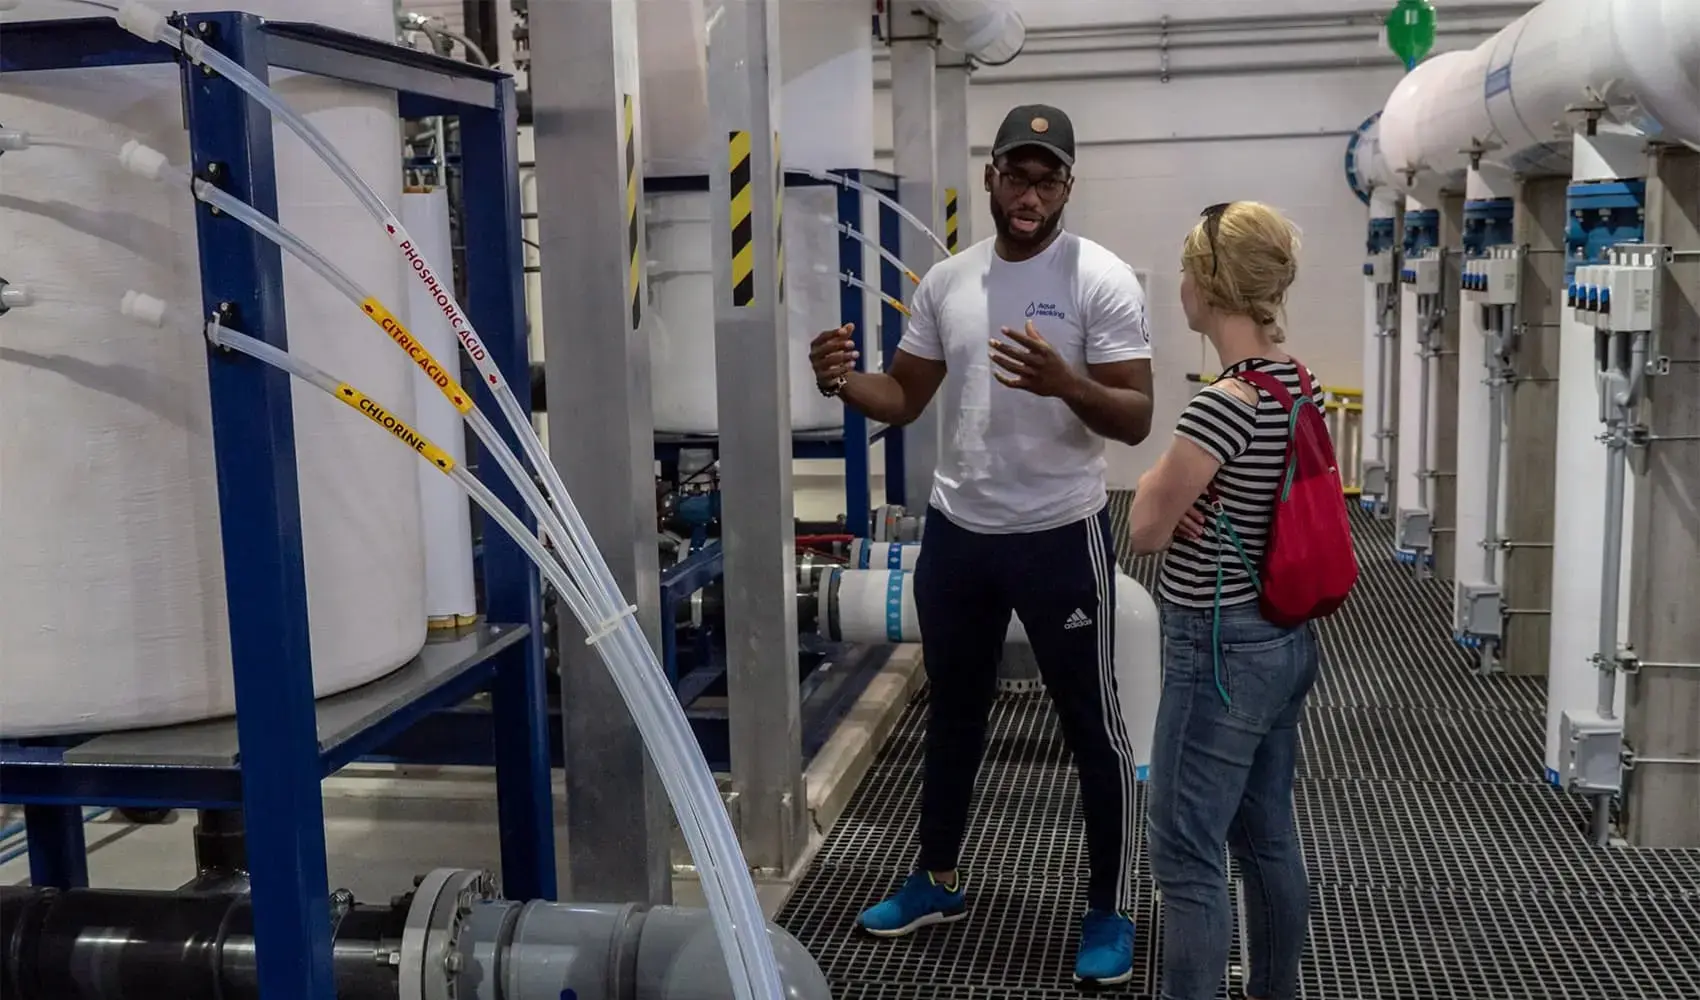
column 609, row 626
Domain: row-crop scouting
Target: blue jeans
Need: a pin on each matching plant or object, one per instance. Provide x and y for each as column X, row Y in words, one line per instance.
column 1222, row 770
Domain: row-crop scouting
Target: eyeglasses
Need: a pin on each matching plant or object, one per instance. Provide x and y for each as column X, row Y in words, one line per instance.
column 1049, row 187
column 1212, row 217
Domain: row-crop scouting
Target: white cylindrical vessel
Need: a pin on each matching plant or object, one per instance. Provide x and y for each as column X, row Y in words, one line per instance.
column 681, row 287
column 112, row 603
column 1579, row 505
column 826, row 111
column 878, row 606
column 450, row 597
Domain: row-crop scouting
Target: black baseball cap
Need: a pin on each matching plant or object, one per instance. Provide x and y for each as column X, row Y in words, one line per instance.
column 1037, row 125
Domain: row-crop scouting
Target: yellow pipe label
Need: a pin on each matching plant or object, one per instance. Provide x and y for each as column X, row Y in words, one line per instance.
column 399, row 430
column 432, row 368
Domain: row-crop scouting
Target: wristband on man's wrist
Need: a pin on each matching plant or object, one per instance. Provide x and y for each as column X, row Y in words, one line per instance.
column 832, row 387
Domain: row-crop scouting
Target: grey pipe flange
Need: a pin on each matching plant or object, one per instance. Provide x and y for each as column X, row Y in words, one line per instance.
column 432, row 920
column 442, row 958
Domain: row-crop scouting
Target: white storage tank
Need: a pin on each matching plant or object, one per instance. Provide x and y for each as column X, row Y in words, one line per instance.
column 826, row 123
column 112, row 599
column 681, row 287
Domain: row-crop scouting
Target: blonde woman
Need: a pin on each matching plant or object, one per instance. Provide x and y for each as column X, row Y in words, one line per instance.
column 1234, row 684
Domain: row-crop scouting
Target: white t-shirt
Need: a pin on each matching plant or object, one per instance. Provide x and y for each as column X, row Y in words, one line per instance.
column 1010, row 461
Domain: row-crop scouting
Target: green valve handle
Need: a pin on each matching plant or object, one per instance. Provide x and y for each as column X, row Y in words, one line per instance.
column 1410, row 30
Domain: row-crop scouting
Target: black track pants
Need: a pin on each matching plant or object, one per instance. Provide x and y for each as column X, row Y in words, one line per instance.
column 1062, row 585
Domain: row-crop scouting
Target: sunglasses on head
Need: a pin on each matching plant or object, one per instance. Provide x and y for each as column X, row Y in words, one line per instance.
column 1212, row 217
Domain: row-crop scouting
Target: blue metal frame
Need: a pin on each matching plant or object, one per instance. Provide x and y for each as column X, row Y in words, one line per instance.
column 281, row 762
column 854, row 445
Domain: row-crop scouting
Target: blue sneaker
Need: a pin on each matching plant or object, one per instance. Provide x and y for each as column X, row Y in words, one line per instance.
column 1106, row 950
column 920, row 903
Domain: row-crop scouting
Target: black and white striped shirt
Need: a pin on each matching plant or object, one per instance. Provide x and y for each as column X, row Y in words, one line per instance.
column 1251, row 444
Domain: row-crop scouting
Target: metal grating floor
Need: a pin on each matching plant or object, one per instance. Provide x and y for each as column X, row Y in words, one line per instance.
column 1442, row 865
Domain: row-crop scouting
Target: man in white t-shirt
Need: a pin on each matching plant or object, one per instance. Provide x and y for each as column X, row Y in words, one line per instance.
column 1039, row 340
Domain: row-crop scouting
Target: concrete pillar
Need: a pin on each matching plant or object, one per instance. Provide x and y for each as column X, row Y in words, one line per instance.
column 1662, row 703
column 1532, row 426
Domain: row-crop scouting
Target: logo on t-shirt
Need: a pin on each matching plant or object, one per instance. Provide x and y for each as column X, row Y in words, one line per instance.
column 1044, row 309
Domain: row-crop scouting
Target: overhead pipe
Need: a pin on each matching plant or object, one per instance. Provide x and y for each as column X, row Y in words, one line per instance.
column 1345, row 18
column 990, row 32
column 1511, row 98
column 1244, row 38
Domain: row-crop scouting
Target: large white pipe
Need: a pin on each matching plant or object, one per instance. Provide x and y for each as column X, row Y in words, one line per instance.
column 1510, row 94
column 878, row 606
column 989, row 31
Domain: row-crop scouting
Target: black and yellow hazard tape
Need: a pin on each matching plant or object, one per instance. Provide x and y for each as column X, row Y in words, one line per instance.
column 950, row 237
column 778, row 221
column 743, row 222
column 629, row 136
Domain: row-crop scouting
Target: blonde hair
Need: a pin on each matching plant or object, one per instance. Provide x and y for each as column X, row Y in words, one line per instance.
column 1256, row 259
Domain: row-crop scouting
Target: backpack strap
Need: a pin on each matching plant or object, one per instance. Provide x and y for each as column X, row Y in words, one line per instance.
column 1272, row 385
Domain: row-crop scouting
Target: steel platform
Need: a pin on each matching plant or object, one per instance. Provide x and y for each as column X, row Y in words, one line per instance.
column 1442, row 866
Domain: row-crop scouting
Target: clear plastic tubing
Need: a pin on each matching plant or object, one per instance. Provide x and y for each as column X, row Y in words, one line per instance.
column 261, row 223
column 575, row 561
column 742, row 925
column 636, row 685
column 879, row 196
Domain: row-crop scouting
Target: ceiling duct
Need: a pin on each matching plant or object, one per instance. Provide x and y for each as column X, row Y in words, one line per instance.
column 990, row 32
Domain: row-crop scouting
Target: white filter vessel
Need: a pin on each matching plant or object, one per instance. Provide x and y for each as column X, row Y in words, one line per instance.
column 826, row 123
column 878, row 605
column 1579, row 507
column 450, row 597
column 112, row 600
column 681, row 330
column 1473, row 416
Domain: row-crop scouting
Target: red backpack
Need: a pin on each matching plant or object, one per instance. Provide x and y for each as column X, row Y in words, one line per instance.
column 1310, row 565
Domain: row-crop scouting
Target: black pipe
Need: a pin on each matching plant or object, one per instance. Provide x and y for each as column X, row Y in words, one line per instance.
column 108, row 944
column 221, row 852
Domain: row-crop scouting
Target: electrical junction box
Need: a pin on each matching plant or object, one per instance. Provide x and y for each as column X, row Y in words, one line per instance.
column 1415, row 529
column 1492, row 281
column 1422, row 273
column 1379, row 268
column 1374, row 479
column 1614, row 297
column 1476, row 611
column 1591, row 753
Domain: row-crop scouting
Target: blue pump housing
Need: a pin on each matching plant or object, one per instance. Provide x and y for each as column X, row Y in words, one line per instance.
column 1603, row 215
column 1488, row 223
column 1422, row 231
